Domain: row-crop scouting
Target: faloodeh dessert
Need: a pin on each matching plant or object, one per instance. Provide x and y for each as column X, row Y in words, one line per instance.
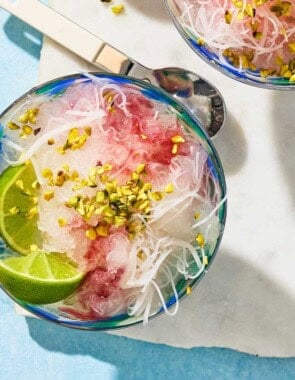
column 108, row 199
column 255, row 35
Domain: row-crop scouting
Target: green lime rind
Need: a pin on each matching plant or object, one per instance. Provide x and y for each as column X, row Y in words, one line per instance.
column 40, row 278
column 18, row 231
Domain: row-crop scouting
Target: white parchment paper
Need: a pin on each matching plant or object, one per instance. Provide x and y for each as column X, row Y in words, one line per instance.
column 247, row 300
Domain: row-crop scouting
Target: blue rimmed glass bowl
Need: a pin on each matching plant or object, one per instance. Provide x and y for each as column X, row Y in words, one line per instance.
column 55, row 88
column 208, row 55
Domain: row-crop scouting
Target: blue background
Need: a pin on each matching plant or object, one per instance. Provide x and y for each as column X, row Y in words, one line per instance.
column 34, row 349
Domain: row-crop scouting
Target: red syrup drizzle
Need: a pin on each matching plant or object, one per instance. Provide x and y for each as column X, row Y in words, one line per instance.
column 148, row 140
column 99, row 296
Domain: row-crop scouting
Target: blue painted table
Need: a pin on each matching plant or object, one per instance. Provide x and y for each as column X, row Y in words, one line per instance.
column 34, row 349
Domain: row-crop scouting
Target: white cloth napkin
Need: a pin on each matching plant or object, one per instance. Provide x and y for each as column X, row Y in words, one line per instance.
column 246, row 301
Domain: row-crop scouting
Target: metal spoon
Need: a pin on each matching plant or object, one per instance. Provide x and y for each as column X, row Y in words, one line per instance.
column 194, row 92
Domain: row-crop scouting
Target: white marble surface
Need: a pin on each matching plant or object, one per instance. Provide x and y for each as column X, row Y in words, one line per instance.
column 247, row 300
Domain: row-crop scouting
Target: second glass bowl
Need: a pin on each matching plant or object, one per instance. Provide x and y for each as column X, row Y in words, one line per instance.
column 208, row 55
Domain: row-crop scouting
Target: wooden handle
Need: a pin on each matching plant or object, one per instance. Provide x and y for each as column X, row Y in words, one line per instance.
column 68, row 34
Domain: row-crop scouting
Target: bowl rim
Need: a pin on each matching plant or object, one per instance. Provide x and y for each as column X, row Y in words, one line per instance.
column 93, row 325
column 229, row 71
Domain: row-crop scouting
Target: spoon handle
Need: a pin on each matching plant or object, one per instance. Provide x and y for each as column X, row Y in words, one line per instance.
column 69, row 34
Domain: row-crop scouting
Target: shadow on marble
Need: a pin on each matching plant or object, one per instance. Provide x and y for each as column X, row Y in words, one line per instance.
column 24, row 36
column 231, row 145
column 151, row 8
column 221, row 312
column 134, row 359
column 284, row 135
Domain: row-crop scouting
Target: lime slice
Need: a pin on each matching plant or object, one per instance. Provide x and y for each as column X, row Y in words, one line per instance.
column 40, row 278
column 17, row 228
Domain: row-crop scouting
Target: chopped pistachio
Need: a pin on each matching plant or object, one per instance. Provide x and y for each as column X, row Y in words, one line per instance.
column 107, row 167
column 27, row 129
column 80, row 208
column 73, row 201
column 119, row 221
column 88, row 131
column 188, row 290
column 24, row 118
column 14, row 210
column 282, row 8
column 135, row 176
column 60, row 150
column 142, row 196
column 26, row 192
column 74, row 175
column 177, row 139
column 73, row 135
column 32, row 119
column 62, row 222
column 157, row 196
column 147, row 186
column 200, row 240
column 143, row 205
column 109, row 220
column 197, row 215
column 108, row 211
column 174, row 149
column 110, row 187
column 35, row 200
column 117, row 9
column 228, row 17
column 100, row 170
column 102, row 231
column 169, row 188
column 81, row 141
column 48, row 195
column 140, row 168
column 126, row 191
column 141, row 255
column 13, row 126
column 36, row 131
column 60, row 178
column 47, row 173
column 100, row 196
column 90, row 234
column 66, row 168
column 19, row 183
column 114, row 197
column 34, row 248
column 32, row 213
column 36, row 185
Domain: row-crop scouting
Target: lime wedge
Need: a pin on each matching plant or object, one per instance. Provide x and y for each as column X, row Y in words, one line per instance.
column 40, row 278
column 17, row 197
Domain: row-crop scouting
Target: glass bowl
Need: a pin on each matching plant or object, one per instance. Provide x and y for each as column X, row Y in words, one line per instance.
column 55, row 88
column 220, row 63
